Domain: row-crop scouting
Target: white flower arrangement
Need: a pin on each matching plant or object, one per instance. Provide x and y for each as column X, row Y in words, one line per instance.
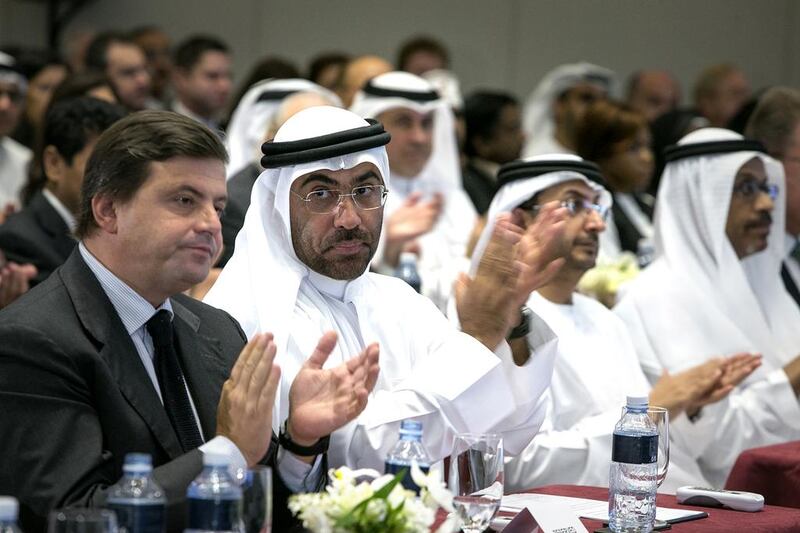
column 604, row 281
column 382, row 504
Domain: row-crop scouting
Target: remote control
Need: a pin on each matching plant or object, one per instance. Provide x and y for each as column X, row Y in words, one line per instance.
column 732, row 499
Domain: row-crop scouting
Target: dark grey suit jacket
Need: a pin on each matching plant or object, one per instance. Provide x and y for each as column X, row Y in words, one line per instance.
column 75, row 397
column 37, row 235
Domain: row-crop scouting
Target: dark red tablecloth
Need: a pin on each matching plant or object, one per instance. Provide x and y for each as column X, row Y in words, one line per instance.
column 771, row 520
column 773, row 471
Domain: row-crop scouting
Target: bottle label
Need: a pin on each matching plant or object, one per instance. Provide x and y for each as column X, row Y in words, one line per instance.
column 407, row 482
column 145, row 518
column 635, row 449
column 214, row 515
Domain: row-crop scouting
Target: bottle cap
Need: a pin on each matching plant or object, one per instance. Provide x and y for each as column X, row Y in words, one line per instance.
column 216, row 459
column 411, row 428
column 408, row 258
column 8, row 508
column 138, row 463
column 638, row 401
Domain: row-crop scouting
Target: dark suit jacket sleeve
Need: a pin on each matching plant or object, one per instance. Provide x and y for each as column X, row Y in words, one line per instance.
column 52, row 442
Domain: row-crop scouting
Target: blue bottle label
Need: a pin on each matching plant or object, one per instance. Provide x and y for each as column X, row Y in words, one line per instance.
column 147, row 518
column 407, row 482
column 635, row 449
column 214, row 515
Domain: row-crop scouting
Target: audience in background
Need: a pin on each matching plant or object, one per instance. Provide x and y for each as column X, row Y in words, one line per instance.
column 776, row 123
column 326, row 70
column 493, row 137
column 617, row 138
column 14, row 157
column 124, row 63
column 653, row 93
column 719, row 92
column 41, row 233
column 555, row 107
column 202, row 80
column 420, row 54
column 157, row 48
column 357, row 72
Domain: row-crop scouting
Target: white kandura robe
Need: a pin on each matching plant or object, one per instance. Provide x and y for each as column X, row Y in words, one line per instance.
column 697, row 300
column 595, row 369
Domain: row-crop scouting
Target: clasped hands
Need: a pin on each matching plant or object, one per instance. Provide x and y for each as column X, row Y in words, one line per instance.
column 320, row 400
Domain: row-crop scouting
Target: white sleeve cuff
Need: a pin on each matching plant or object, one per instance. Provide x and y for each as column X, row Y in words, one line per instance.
column 224, row 445
column 297, row 475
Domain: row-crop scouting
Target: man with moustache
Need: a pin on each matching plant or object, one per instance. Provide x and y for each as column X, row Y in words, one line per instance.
column 594, row 349
column 307, row 242
column 714, row 288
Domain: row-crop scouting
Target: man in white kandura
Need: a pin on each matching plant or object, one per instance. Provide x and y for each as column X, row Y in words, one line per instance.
column 301, row 269
column 428, row 211
column 596, row 367
column 715, row 287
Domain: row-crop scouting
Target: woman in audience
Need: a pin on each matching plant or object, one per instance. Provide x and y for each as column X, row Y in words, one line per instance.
column 617, row 138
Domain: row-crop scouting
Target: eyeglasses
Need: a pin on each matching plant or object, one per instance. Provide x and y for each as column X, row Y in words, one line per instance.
column 577, row 207
column 325, row 201
column 750, row 188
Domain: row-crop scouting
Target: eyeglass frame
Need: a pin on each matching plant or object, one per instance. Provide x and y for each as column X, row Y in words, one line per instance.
column 770, row 189
column 586, row 205
column 306, row 199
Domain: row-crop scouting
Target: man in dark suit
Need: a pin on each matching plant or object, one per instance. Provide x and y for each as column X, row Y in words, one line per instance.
column 41, row 233
column 494, row 137
column 106, row 357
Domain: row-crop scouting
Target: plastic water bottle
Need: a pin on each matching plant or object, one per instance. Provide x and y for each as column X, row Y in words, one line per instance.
column 137, row 499
column 215, row 499
column 633, row 477
column 407, row 271
column 409, row 447
column 9, row 509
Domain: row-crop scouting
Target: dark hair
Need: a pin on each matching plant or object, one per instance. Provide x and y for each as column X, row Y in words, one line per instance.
column 120, row 161
column 30, row 62
column 97, row 52
column 605, row 124
column 482, row 110
column 267, row 68
column 189, row 52
column 68, row 126
column 421, row 43
column 321, row 62
column 79, row 84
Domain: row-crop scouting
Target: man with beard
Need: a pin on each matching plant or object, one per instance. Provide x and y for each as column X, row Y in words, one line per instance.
column 301, row 266
column 594, row 349
column 714, row 288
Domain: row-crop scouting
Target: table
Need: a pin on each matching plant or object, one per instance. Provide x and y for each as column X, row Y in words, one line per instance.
column 771, row 520
column 773, row 471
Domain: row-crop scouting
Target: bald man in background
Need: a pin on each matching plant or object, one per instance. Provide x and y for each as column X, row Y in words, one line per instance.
column 653, row 93
column 357, row 72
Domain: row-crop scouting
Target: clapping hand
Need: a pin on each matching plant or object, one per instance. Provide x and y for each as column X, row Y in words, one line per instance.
column 244, row 414
column 323, row 400
column 14, row 281
column 412, row 220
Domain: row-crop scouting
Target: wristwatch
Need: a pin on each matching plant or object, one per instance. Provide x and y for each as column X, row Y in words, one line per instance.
column 524, row 327
column 286, row 442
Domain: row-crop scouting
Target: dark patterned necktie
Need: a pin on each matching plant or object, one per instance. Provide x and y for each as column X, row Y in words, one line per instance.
column 171, row 382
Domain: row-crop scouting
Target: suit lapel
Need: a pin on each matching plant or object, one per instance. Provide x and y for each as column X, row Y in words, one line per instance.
column 52, row 224
column 117, row 349
column 790, row 285
column 202, row 366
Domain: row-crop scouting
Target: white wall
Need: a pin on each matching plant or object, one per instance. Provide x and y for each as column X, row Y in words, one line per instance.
column 499, row 43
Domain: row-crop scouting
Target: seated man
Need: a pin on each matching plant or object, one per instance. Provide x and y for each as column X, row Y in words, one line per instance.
column 308, row 250
column 428, row 211
column 714, row 288
column 596, row 366
column 107, row 357
column 41, row 234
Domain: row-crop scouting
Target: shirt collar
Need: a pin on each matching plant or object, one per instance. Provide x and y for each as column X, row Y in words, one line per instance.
column 489, row 168
column 60, row 208
column 178, row 107
column 132, row 308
